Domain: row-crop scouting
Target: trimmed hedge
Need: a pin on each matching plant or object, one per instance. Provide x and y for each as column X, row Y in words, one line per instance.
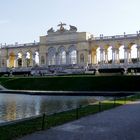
column 74, row 83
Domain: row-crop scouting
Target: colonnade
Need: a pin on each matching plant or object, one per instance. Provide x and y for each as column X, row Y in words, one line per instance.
column 115, row 58
column 60, row 50
column 21, row 60
column 73, row 57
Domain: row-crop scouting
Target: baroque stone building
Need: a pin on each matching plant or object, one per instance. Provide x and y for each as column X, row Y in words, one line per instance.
column 69, row 47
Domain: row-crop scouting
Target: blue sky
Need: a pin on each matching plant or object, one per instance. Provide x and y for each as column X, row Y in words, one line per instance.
column 24, row 21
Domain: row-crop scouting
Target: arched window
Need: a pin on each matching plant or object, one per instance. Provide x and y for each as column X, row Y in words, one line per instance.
column 61, row 56
column 51, row 56
column 81, row 58
column 72, row 55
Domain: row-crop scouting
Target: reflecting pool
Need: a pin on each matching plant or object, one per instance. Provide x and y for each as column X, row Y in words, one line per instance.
column 14, row 106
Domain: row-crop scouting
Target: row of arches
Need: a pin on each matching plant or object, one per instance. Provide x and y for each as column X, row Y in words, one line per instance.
column 18, row 60
column 65, row 56
column 62, row 57
column 51, row 57
column 111, row 54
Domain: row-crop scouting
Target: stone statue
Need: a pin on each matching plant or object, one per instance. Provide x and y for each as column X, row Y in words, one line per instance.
column 51, row 30
column 73, row 28
column 61, row 26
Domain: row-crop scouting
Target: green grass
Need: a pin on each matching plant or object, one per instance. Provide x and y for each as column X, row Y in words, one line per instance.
column 74, row 83
column 13, row 131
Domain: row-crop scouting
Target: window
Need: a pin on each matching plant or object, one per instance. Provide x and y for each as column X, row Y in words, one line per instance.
column 62, row 56
column 51, row 56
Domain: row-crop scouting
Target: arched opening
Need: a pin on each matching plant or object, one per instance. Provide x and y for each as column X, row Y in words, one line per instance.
column 61, row 56
column 121, row 54
column 109, row 54
column 51, row 56
column 36, row 58
column 134, row 53
column 19, row 59
column 11, row 59
column 28, row 59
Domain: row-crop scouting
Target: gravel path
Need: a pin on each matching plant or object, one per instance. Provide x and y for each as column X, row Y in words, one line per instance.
column 121, row 123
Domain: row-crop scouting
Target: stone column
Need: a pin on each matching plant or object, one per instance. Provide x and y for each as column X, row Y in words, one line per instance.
column 77, row 56
column 115, row 55
column 24, row 63
column 56, row 58
column 89, row 57
column 127, row 55
column 0, row 58
column 7, row 62
column 86, row 57
column 33, row 59
column 102, row 55
column 138, row 54
column 130, row 59
column 106, row 56
column 4, row 61
column 67, row 58
column 16, row 61
column 46, row 59
column 93, row 57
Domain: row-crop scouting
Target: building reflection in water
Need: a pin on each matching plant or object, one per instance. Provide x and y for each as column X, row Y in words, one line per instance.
column 11, row 111
column 15, row 106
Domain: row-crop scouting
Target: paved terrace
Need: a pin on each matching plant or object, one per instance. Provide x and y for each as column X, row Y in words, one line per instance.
column 121, row 123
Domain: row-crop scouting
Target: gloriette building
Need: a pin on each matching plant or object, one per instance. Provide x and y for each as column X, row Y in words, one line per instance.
column 68, row 47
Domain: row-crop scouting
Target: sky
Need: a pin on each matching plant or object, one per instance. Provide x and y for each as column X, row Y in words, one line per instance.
column 23, row 21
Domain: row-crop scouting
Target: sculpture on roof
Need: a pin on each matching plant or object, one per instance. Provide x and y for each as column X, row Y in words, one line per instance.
column 62, row 26
column 73, row 28
column 62, row 29
column 51, row 30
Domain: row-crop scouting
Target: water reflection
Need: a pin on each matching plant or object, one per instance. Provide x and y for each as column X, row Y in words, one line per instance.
column 13, row 106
